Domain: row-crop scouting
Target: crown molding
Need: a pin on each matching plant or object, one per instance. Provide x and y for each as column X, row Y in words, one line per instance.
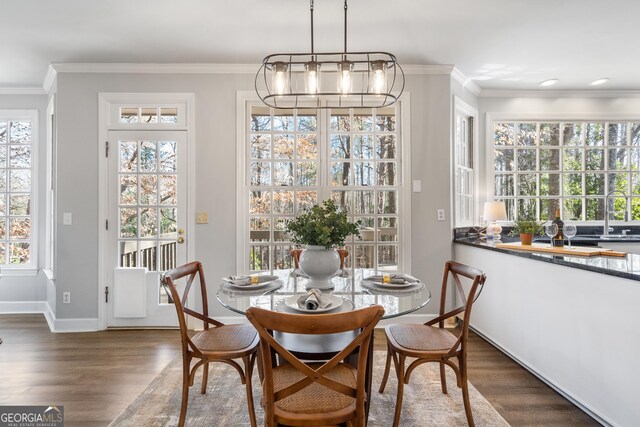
column 466, row 82
column 68, row 67
column 64, row 67
column 496, row 93
column 22, row 91
column 49, row 78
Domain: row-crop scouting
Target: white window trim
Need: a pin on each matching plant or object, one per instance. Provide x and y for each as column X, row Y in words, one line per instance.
column 32, row 268
column 493, row 117
column 243, row 98
column 462, row 107
column 49, row 263
column 107, row 104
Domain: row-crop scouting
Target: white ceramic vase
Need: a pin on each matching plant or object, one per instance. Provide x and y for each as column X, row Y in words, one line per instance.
column 320, row 265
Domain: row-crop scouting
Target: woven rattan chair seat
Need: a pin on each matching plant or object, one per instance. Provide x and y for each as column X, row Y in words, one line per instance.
column 225, row 338
column 315, row 398
column 422, row 338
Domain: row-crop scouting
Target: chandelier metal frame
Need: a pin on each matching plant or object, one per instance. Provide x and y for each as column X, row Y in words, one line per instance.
column 329, row 80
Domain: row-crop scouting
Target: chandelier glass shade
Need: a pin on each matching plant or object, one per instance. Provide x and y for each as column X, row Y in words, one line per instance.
column 330, row 80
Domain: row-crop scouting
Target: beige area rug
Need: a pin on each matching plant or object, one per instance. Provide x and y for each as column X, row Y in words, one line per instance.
column 225, row 402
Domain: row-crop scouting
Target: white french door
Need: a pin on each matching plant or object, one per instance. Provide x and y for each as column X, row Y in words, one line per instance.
column 147, row 223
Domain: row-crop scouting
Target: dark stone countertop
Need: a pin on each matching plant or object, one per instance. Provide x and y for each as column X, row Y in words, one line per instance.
column 627, row 267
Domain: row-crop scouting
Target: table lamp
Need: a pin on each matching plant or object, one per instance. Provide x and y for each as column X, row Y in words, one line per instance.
column 494, row 211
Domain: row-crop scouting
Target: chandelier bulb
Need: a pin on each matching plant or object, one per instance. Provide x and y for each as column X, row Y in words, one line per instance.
column 312, row 70
column 378, row 77
column 280, row 78
column 344, row 76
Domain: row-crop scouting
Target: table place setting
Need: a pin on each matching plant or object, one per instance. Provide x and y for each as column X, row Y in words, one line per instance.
column 314, row 301
column 396, row 283
column 252, row 283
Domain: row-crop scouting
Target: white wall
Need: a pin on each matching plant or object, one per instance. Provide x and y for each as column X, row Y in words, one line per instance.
column 17, row 293
column 215, row 108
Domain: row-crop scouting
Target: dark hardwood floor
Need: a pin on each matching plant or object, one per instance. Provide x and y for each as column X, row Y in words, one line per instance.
column 96, row 375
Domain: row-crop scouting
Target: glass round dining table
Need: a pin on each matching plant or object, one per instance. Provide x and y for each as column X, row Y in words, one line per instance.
column 396, row 300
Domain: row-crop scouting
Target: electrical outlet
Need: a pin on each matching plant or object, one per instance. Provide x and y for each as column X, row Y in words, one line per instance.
column 66, row 297
column 440, row 214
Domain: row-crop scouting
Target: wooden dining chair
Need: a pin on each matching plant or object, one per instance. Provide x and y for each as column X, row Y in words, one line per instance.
column 430, row 343
column 296, row 393
column 217, row 342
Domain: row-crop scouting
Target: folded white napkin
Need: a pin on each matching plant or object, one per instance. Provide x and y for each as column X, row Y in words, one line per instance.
column 394, row 279
column 247, row 280
column 313, row 300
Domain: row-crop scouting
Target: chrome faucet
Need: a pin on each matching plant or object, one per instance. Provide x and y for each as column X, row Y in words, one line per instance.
column 607, row 212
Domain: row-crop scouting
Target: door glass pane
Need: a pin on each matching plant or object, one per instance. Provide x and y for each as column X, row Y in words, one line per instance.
column 148, row 156
column 148, row 202
column 168, row 154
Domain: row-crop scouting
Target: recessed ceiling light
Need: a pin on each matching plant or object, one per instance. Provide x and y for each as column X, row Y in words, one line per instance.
column 599, row 82
column 548, row 82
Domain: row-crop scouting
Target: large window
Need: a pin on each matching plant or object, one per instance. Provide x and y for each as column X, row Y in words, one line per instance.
column 573, row 165
column 17, row 137
column 296, row 158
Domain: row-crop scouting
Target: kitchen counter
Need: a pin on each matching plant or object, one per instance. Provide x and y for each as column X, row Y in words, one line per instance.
column 625, row 267
column 562, row 318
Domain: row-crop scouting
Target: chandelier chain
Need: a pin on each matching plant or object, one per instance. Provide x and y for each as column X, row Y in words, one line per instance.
column 311, row 27
column 345, row 27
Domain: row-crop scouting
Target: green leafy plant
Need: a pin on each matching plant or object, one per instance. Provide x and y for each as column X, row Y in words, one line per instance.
column 322, row 225
column 527, row 226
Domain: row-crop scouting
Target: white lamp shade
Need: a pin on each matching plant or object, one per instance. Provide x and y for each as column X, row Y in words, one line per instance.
column 495, row 211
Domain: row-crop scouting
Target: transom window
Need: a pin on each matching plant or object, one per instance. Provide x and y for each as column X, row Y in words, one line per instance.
column 17, row 134
column 540, row 166
column 297, row 158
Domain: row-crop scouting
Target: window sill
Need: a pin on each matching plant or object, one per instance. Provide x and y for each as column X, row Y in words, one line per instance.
column 18, row 272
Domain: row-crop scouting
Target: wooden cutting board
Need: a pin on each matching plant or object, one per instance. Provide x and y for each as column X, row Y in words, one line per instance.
column 576, row 250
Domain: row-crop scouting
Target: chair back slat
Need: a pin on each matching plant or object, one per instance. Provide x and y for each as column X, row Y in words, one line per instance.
column 194, row 273
column 477, row 278
column 266, row 322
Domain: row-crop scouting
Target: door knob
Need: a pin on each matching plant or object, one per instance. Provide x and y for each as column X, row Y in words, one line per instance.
column 180, row 240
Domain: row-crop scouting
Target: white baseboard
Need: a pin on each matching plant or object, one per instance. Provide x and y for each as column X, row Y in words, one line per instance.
column 557, row 388
column 55, row 325
column 75, row 325
column 16, row 307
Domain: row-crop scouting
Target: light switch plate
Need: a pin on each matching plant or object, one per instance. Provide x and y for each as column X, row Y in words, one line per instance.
column 202, row 218
column 440, row 214
column 417, row 186
column 67, row 218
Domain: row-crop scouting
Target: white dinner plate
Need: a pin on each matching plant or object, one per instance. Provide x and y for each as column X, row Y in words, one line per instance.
column 250, row 287
column 260, row 285
column 380, row 285
column 292, row 303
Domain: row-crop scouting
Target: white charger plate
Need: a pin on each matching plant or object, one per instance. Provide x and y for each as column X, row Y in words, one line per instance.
column 292, row 303
column 250, row 286
column 379, row 285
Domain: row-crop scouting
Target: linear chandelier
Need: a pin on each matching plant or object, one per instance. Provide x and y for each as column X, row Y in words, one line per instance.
column 329, row 80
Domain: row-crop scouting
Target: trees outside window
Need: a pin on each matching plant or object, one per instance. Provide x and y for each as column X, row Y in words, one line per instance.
column 16, row 189
column 543, row 165
column 297, row 158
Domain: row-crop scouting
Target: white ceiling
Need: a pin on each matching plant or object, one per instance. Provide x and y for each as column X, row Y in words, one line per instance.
column 499, row 44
